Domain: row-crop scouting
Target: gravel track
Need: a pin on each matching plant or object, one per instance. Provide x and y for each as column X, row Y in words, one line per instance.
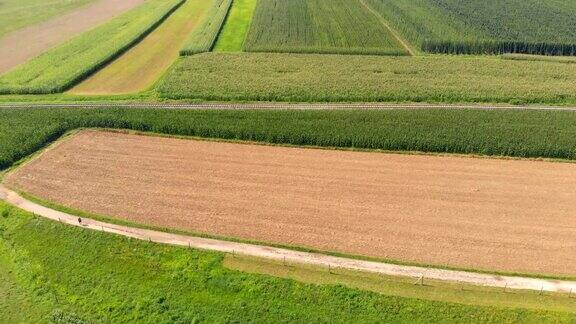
column 277, row 106
column 279, row 254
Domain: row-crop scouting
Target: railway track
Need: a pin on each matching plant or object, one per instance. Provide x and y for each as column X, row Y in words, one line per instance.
column 276, row 106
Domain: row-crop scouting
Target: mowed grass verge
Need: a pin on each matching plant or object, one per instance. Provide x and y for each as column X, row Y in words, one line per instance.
column 138, row 68
column 204, row 37
column 87, row 276
column 319, row 26
column 513, row 133
column 332, row 78
column 15, row 14
column 67, row 64
column 236, row 27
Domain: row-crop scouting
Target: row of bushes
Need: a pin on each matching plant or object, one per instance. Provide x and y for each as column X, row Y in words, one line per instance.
column 498, row 47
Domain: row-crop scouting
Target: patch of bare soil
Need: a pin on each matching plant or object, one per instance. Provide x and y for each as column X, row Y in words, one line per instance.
column 24, row 44
column 508, row 215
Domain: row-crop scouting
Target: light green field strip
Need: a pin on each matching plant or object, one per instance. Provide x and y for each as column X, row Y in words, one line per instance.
column 237, row 24
column 140, row 67
column 67, row 64
column 15, row 14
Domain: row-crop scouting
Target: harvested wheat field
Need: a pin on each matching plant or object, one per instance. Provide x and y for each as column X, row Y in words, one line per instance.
column 493, row 214
column 26, row 43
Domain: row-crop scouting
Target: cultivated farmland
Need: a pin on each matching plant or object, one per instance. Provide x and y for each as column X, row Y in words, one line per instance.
column 15, row 14
column 425, row 209
column 24, row 44
column 138, row 69
column 65, row 65
column 236, row 27
column 484, row 27
column 204, row 37
column 290, row 77
column 319, row 26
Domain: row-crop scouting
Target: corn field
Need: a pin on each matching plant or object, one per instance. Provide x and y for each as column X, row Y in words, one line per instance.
column 319, row 26
column 544, row 27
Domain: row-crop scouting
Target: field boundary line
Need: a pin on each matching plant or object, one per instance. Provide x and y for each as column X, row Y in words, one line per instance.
column 277, row 106
column 392, row 31
column 287, row 255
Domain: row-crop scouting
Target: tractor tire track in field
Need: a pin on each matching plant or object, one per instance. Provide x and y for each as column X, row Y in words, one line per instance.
column 276, row 106
column 286, row 255
column 393, row 32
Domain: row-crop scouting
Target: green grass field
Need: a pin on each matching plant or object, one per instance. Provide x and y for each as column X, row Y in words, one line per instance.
column 15, row 14
column 236, row 27
column 318, row 78
column 85, row 276
column 67, row 64
column 204, row 36
column 319, row 26
column 493, row 26
column 547, row 134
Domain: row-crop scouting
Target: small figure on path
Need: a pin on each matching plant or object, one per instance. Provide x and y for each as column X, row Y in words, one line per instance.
column 79, row 220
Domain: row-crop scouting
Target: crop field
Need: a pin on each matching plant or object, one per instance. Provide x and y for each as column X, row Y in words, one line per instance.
column 236, row 27
column 138, row 68
column 484, row 27
column 15, row 14
column 319, row 26
column 66, row 65
column 286, row 196
column 24, row 44
column 204, row 37
column 312, row 78
column 129, row 281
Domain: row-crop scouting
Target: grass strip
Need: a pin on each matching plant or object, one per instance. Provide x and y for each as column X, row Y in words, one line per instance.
column 204, row 37
column 236, row 27
column 70, row 63
column 94, row 276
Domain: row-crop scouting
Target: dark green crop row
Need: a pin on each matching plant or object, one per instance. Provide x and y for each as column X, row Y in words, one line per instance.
column 204, row 37
column 548, row 134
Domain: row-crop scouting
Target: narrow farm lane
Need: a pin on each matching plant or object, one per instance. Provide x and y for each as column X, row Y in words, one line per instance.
column 290, row 255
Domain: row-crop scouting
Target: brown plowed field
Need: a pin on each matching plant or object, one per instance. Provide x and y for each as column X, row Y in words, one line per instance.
column 492, row 214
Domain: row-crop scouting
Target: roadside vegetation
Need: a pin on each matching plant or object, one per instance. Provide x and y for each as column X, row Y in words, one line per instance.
column 67, row 64
column 236, row 27
column 484, row 27
column 16, row 14
column 513, row 133
column 330, row 78
column 204, row 37
column 86, row 276
column 319, row 26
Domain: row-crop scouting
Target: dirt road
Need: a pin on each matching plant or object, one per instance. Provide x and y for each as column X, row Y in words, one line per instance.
column 476, row 213
column 293, row 256
column 21, row 45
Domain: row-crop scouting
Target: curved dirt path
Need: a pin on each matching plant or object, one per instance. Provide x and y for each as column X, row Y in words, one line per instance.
column 21, row 45
column 292, row 256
